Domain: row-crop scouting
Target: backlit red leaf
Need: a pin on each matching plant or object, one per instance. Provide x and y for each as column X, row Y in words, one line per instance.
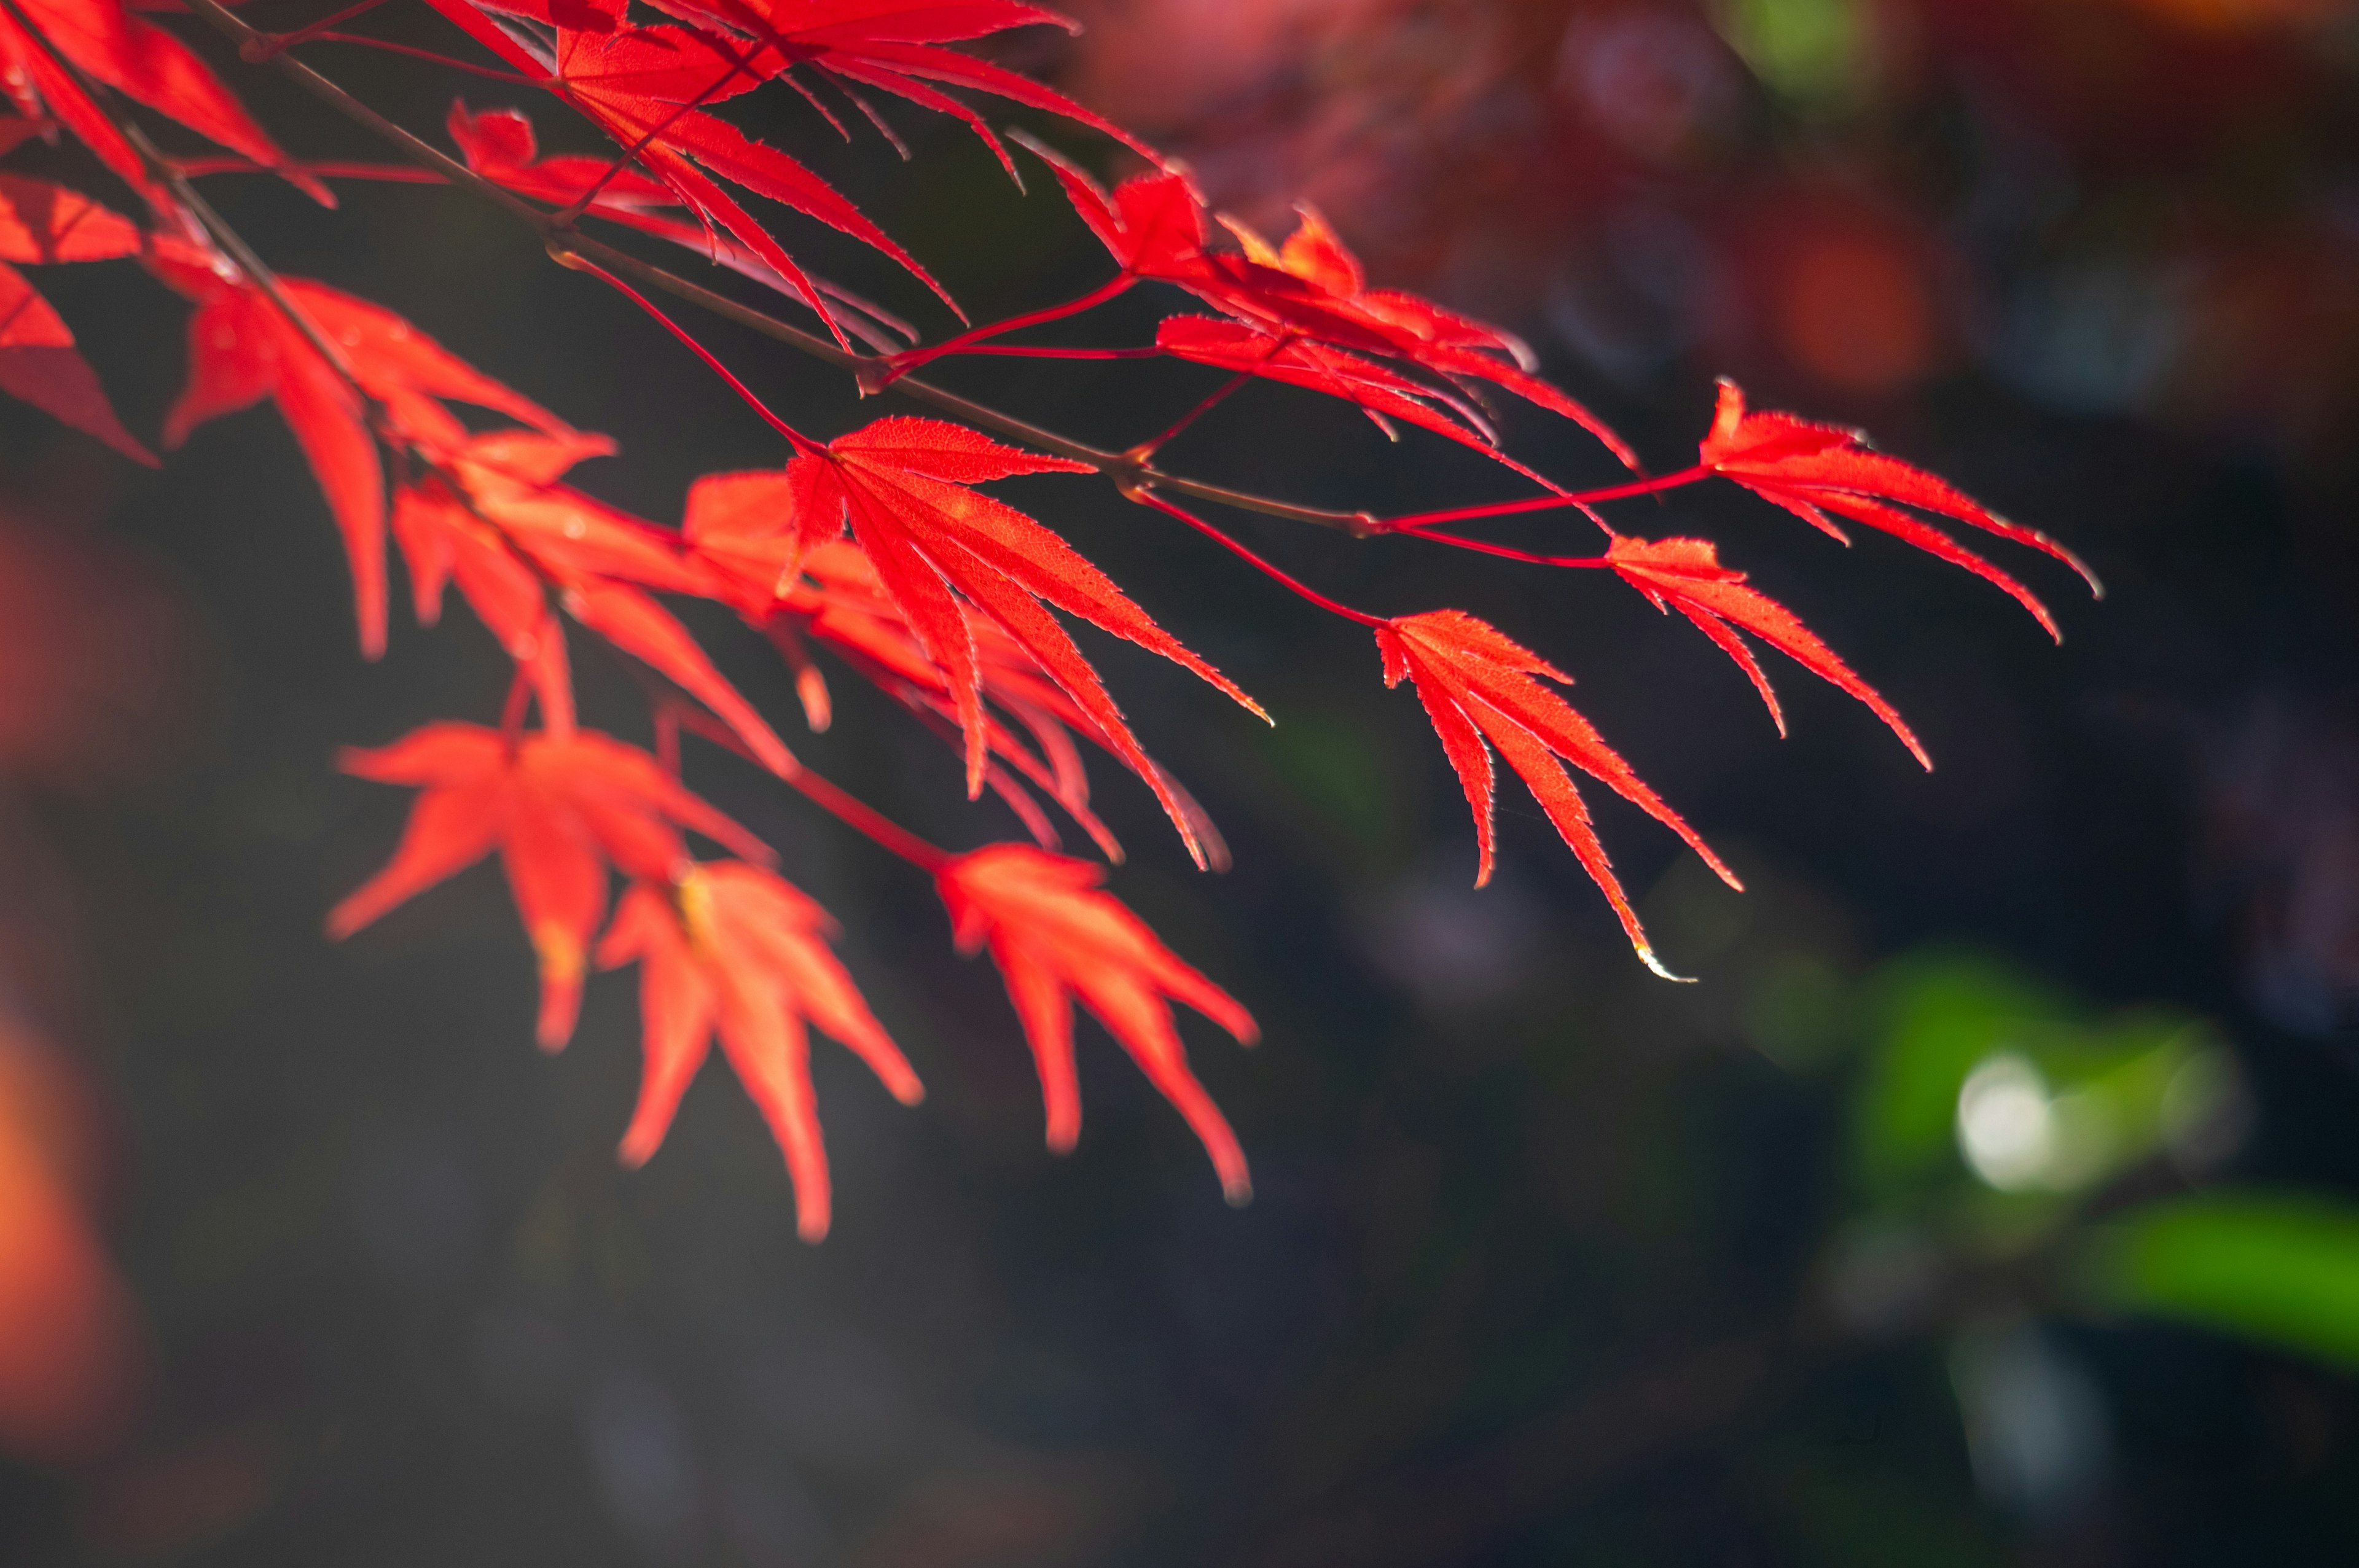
column 940, row 548
column 558, row 810
column 1811, row 469
column 733, row 949
column 1686, row 574
column 1055, row 936
column 40, row 363
column 242, row 347
column 1477, row 685
column 143, row 63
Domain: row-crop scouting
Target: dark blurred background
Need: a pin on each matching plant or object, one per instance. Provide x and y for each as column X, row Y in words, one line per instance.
column 1983, row 1202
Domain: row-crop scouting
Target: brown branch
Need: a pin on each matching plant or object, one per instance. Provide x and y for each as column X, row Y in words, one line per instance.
column 871, row 371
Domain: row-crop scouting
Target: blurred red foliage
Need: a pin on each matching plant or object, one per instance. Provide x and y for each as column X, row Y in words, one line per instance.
column 1848, row 199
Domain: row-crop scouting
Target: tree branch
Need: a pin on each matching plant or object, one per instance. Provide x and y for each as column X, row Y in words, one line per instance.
column 871, row 371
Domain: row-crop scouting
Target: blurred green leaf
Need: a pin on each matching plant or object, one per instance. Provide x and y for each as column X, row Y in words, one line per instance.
column 1940, row 1014
column 1969, row 1052
column 2276, row 1267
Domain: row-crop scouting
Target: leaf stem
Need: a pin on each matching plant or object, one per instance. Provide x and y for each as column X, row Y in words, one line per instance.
column 490, row 73
column 1548, row 503
column 836, row 801
column 909, row 360
column 871, row 823
column 1506, row 552
column 580, row 263
column 267, row 45
column 1145, row 497
column 512, row 712
column 390, row 173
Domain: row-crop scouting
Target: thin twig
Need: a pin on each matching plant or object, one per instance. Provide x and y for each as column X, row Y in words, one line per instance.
column 869, row 370
column 257, row 270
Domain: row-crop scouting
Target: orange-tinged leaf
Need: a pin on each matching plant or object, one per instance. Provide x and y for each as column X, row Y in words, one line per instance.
column 1687, row 574
column 444, row 541
column 1477, row 684
column 1054, row 937
column 1812, row 468
column 634, row 622
column 243, row 349
column 733, row 949
column 559, row 809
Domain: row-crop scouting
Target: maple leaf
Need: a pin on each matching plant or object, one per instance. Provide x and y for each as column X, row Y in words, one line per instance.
column 1811, row 469
column 243, row 347
column 42, row 224
column 642, row 87
column 894, row 46
column 142, row 61
column 499, row 144
column 1687, row 574
column 1382, row 392
column 1054, row 937
column 831, row 595
column 559, row 809
column 1478, row 687
column 941, row 548
column 732, row 948
column 1335, row 303
column 1156, row 227
column 499, row 523
column 844, row 607
column 40, row 363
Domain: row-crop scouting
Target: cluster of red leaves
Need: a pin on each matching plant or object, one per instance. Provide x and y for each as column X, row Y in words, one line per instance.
column 879, row 545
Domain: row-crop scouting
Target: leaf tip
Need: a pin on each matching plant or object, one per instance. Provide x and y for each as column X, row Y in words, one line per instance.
column 1646, row 956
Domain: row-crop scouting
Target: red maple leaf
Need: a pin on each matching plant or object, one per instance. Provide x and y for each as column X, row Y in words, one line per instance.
column 499, row 144
column 732, row 948
column 895, row 46
column 1811, row 469
column 1155, row 226
column 643, row 86
column 1284, row 356
column 42, row 224
column 1687, row 574
column 139, row 59
column 1477, row 685
column 1055, row 936
column 40, row 363
column 831, row 595
column 243, row 347
column 497, row 521
column 558, row 810
column 941, row 548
